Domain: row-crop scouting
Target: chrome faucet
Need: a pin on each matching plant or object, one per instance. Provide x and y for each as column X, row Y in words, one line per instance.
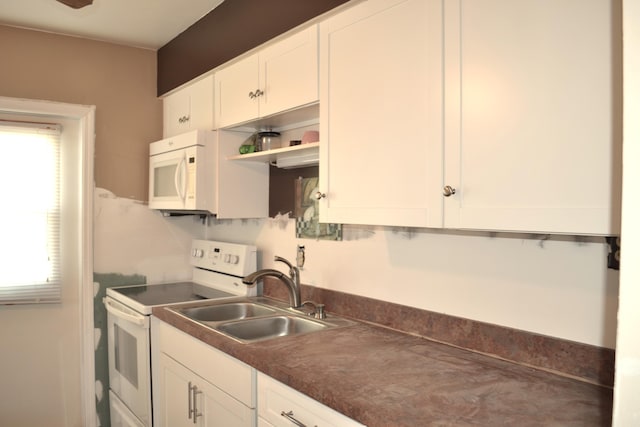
column 292, row 283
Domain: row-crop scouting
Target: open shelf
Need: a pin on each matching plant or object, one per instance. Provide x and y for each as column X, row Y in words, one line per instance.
column 287, row 155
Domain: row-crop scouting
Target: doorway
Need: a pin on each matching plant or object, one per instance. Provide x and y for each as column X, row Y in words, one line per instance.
column 47, row 367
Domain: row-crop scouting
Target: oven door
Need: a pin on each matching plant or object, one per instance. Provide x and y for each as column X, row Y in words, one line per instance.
column 129, row 358
column 121, row 416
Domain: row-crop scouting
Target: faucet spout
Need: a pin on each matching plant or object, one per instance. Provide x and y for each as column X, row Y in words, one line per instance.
column 292, row 283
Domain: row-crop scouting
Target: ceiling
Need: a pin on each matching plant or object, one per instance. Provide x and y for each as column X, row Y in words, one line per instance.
column 147, row 24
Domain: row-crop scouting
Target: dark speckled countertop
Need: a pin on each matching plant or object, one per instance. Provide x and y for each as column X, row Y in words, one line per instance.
column 381, row 377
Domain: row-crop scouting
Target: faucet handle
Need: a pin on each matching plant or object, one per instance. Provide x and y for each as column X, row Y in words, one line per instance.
column 318, row 310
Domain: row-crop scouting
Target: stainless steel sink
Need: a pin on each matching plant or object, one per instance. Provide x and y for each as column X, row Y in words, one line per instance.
column 252, row 319
column 225, row 312
column 270, row 327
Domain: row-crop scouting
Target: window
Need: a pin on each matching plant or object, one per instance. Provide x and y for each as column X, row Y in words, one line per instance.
column 30, row 213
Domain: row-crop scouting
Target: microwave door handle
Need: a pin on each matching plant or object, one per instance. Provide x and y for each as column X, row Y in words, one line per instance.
column 136, row 319
column 179, row 179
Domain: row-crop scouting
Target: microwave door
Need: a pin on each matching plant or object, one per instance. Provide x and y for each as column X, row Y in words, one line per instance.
column 167, row 180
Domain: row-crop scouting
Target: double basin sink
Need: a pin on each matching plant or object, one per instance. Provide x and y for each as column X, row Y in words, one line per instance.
column 255, row 319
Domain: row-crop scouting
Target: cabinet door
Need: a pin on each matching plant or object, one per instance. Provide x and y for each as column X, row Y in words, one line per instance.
column 175, row 399
column 182, row 393
column 532, row 112
column 289, row 72
column 221, row 410
column 176, row 109
column 234, row 87
column 201, row 104
column 381, row 114
column 189, row 108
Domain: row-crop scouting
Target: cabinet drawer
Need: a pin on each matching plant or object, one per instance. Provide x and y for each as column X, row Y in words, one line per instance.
column 276, row 399
column 229, row 374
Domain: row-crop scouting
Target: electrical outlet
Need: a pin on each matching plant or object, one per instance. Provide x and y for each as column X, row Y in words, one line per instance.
column 300, row 256
column 613, row 259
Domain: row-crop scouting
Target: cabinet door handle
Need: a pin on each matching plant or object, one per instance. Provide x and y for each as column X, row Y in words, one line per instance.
column 256, row 94
column 290, row 417
column 189, row 396
column 448, row 191
column 193, row 403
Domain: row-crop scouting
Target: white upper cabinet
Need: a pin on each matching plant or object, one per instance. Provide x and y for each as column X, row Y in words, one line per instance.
column 381, row 114
column 236, row 86
column 472, row 114
column 533, row 115
column 279, row 77
column 189, row 108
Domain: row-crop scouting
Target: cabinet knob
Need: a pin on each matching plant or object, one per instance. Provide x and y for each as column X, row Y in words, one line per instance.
column 252, row 95
column 448, row 191
column 320, row 195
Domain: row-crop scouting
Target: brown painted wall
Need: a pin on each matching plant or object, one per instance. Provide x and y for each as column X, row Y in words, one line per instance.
column 231, row 29
column 120, row 81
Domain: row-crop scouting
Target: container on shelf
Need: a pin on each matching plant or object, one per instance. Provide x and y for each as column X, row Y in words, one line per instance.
column 267, row 140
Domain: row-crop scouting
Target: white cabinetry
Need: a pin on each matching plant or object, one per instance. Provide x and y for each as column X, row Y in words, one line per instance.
column 282, row 76
column 191, row 400
column 523, row 124
column 189, row 108
column 381, row 114
column 279, row 405
column 532, row 115
column 192, row 379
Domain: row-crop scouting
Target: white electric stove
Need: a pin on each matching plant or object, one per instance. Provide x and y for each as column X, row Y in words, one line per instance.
column 218, row 269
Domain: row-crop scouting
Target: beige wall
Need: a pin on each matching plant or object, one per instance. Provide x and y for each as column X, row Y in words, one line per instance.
column 40, row 353
column 120, row 81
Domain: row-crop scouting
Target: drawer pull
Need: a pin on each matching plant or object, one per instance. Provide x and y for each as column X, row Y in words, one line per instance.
column 290, row 417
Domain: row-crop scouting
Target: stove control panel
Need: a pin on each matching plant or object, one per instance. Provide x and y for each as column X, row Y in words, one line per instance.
column 229, row 258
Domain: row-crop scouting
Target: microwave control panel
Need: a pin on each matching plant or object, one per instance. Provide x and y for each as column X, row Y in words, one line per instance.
column 191, row 177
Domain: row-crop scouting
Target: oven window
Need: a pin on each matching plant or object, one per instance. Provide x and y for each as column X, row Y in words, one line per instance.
column 126, row 354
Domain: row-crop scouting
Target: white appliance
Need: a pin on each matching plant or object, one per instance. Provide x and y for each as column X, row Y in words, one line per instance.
column 180, row 172
column 190, row 173
column 217, row 273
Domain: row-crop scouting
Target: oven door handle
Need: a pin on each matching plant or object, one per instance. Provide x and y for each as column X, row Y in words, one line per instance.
column 135, row 318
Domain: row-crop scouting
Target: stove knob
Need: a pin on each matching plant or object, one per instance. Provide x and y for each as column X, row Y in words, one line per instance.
column 234, row 259
column 198, row 253
column 227, row 258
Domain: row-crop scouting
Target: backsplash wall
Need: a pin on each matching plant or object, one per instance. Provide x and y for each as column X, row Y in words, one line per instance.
column 552, row 285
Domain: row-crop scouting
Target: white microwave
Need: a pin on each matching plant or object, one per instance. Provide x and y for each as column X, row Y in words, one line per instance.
column 191, row 173
column 180, row 172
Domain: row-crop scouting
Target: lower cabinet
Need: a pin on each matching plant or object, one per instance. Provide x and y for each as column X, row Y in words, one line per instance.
column 281, row 406
column 196, row 384
column 188, row 399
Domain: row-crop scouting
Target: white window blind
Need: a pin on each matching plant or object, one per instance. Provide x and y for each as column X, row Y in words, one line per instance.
column 30, row 213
